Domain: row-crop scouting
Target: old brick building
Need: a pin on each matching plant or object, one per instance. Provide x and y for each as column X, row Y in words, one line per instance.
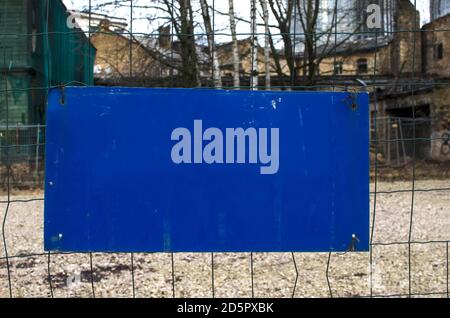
column 225, row 55
column 385, row 54
column 118, row 58
column 155, row 60
column 410, row 69
column 435, row 48
column 425, row 95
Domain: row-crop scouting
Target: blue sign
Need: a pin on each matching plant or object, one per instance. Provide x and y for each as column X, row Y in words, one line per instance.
column 192, row 170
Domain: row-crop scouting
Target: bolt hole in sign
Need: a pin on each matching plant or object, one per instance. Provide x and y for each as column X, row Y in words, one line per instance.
column 192, row 170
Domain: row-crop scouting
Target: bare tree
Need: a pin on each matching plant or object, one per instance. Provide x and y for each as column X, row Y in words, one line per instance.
column 308, row 14
column 185, row 33
column 182, row 19
column 308, row 18
column 236, row 62
column 283, row 13
column 276, row 56
column 217, row 79
column 179, row 15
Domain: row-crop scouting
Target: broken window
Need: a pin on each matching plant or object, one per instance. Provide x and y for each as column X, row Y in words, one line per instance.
column 440, row 51
column 362, row 66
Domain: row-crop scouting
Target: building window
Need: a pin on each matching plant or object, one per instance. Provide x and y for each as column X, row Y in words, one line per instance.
column 362, row 66
column 440, row 51
column 338, row 68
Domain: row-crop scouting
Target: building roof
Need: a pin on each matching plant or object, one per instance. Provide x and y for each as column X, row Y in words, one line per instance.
column 435, row 21
column 82, row 18
column 355, row 46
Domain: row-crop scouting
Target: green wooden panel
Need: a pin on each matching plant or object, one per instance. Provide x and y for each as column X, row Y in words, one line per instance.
column 39, row 50
column 14, row 104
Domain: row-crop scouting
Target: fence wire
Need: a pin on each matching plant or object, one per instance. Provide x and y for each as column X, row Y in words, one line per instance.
column 186, row 48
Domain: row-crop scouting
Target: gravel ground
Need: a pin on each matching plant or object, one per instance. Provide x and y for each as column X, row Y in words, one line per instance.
column 274, row 274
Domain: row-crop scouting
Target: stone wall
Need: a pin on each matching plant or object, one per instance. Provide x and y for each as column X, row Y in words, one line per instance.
column 440, row 145
column 225, row 56
column 406, row 47
column 440, row 115
column 350, row 63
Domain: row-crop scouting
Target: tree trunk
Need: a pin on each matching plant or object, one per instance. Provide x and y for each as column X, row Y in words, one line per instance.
column 217, row 78
column 308, row 19
column 236, row 62
column 254, row 64
column 276, row 57
column 189, row 59
column 283, row 15
column 266, row 42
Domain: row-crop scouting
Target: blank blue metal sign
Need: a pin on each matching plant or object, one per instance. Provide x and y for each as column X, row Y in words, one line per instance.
column 191, row 170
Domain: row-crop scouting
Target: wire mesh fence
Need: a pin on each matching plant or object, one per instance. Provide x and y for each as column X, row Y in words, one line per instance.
column 383, row 47
column 399, row 146
column 22, row 156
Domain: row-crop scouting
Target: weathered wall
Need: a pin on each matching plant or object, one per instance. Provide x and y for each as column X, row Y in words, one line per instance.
column 440, row 115
column 350, row 62
column 406, row 46
column 225, row 56
column 432, row 36
column 434, row 144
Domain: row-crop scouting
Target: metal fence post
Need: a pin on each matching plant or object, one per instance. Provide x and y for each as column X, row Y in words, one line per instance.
column 38, row 132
